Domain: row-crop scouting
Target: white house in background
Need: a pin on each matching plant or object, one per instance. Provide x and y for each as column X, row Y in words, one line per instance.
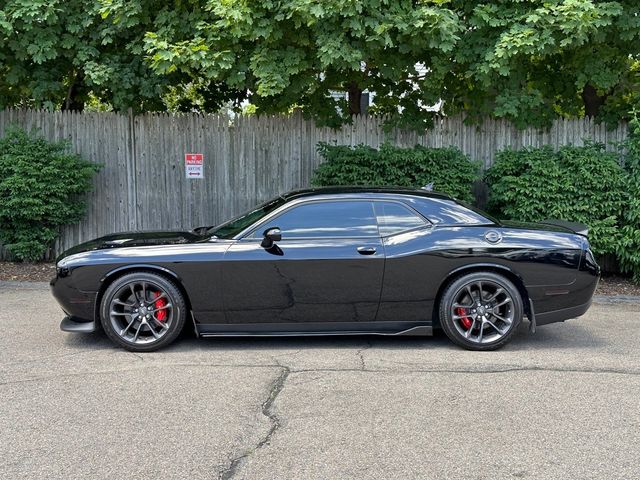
column 368, row 98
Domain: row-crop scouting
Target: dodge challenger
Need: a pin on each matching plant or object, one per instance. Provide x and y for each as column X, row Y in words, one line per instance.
column 332, row 261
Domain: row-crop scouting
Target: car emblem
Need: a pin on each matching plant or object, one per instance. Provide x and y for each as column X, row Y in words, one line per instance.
column 492, row 236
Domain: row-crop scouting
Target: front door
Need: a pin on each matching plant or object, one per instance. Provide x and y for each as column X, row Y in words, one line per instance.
column 328, row 267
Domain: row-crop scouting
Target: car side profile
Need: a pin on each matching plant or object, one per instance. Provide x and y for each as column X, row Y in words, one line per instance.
column 332, row 261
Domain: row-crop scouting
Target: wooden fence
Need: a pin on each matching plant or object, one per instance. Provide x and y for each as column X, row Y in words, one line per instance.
column 247, row 159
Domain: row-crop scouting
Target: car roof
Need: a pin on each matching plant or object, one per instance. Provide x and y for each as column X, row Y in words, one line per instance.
column 358, row 190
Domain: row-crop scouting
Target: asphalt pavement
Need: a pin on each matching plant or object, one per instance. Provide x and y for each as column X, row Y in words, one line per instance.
column 561, row 403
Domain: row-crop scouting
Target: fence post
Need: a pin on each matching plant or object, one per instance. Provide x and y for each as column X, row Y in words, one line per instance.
column 132, row 168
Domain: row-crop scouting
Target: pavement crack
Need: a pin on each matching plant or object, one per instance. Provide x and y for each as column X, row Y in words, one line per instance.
column 267, row 410
column 360, row 354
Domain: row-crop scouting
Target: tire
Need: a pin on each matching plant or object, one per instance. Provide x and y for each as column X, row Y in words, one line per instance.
column 142, row 311
column 480, row 323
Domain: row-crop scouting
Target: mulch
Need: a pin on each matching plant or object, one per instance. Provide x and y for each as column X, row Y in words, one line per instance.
column 27, row 272
column 610, row 285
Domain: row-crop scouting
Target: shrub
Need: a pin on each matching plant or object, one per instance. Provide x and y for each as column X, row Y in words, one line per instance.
column 628, row 250
column 582, row 184
column 450, row 170
column 40, row 187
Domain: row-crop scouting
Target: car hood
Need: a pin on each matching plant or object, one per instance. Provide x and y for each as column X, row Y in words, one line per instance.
column 134, row 239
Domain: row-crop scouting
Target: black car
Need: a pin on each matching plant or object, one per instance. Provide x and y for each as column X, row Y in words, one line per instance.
column 332, row 261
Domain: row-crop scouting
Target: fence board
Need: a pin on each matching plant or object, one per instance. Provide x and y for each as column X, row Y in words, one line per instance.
column 248, row 159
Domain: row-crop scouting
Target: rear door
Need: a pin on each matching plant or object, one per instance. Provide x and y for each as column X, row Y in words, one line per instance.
column 328, row 267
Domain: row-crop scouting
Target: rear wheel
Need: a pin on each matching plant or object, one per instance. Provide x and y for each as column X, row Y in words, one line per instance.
column 142, row 311
column 481, row 311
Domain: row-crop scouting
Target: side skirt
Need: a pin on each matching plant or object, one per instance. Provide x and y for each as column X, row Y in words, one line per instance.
column 314, row 329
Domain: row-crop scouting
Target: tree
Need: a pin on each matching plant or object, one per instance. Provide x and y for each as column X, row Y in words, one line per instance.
column 531, row 61
column 295, row 52
column 525, row 61
column 65, row 54
column 56, row 53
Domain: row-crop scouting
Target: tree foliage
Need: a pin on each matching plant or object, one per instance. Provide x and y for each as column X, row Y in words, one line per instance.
column 41, row 184
column 67, row 54
column 528, row 61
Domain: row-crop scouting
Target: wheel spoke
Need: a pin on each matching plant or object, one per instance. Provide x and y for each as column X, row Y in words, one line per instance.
column 479, row 286
column 159, row 297
column 120, row 302
column 503, row 302
column 135, row 337
column 164, row 307
column 459, row 305
column 144, row 292
column 503, row 319
column 153, row 332
column 468, row 332
column 481, row 332
column 468, row 289
column 126, row 329
column 160, row 324
column 501, row 332
column 498, row 291
column 121, row 314
column 133, row 292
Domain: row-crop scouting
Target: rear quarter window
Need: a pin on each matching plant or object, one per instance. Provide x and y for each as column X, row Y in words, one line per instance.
column 449, row 212
column 395, row 218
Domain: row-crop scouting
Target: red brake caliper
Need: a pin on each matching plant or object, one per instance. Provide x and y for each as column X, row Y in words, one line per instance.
column 161, row 302
column 465, row 321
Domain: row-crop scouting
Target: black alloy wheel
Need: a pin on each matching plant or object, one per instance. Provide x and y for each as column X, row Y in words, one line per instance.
column 142, row 311
column 481, row 311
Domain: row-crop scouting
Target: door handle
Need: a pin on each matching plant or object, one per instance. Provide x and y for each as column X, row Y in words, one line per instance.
column 366, row 250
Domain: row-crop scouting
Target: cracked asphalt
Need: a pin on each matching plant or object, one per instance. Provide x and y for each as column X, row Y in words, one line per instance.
column 563, row 403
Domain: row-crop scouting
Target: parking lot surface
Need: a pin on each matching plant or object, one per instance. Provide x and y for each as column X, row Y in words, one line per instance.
column 563, row 403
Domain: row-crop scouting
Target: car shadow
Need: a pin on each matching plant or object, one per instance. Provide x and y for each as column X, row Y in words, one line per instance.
column 557, row 336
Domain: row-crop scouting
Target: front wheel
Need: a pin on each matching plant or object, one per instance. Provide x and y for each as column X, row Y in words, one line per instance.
column 142, row 311
column 481, row 311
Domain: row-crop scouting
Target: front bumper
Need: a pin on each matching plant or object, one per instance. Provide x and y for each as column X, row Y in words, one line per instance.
column 76, row 303
column 76, row 325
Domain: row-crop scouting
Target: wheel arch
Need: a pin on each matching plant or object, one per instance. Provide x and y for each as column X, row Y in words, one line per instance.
column 482, row 267
column 116, row 273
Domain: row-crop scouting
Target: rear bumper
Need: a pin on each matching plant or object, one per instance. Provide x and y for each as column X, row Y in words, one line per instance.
column 562, row 314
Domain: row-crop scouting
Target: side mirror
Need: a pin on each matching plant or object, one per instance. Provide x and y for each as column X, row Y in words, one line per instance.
column 271, row 235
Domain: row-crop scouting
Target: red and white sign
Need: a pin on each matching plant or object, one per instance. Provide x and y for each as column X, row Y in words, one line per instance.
column 194, row 165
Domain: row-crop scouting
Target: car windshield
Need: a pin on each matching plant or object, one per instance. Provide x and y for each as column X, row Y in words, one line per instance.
column 233, row 227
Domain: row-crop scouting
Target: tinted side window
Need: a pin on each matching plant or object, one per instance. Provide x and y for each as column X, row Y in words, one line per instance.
column 327, row 219
column 395, row 218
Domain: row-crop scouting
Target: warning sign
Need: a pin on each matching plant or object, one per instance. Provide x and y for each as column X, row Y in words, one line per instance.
column 194, row 165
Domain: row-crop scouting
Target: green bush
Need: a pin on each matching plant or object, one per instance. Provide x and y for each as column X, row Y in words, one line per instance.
column 628, row 250
column 40, row 187
column 582, row 184
column 450, row 170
